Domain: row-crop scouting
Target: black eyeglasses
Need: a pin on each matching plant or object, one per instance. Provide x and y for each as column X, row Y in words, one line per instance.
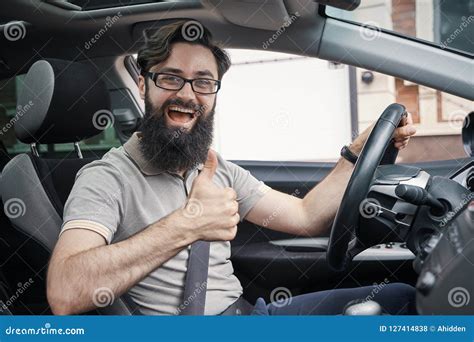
column 174, row 82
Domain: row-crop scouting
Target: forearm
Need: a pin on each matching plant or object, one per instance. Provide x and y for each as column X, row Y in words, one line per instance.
column 321, row 203
column 72, row 281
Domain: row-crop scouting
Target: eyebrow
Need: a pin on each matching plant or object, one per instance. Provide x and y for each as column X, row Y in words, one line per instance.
column 180, row 72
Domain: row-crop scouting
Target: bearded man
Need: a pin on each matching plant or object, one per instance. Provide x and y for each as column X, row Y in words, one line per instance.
column 154, row 216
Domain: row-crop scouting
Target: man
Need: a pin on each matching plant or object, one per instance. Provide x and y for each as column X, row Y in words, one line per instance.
column 131, row 216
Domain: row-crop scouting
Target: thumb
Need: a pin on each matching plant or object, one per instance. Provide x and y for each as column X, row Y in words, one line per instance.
column 210, row 165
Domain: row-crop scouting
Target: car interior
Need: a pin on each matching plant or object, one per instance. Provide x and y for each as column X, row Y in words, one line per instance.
column 398, row 222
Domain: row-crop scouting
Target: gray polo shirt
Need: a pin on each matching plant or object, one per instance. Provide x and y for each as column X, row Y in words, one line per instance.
column 121, row 194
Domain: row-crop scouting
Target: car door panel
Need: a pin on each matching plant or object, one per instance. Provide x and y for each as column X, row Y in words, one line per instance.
column 264, row 259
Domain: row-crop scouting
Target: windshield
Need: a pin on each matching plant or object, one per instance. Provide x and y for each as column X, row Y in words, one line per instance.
column 450, row 24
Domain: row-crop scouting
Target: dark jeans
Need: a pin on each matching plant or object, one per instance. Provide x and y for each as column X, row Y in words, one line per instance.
column 395, row 299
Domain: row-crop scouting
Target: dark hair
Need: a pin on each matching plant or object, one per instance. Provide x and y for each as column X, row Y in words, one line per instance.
column 157, row 48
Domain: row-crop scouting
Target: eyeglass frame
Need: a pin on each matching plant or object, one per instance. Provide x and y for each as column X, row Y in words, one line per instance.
column 154, row 76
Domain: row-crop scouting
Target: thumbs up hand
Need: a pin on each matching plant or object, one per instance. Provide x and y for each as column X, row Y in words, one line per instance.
column 213, row 211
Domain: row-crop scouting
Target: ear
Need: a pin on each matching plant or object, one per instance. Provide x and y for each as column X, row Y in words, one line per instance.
column 141, row 86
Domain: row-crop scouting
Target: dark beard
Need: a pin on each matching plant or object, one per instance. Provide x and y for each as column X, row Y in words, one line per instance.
column 174, row 149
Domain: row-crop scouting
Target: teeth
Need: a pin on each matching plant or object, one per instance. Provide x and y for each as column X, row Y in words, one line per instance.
column 180, row 109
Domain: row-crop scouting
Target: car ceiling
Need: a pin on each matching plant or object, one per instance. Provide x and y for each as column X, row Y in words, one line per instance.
column 54, row 30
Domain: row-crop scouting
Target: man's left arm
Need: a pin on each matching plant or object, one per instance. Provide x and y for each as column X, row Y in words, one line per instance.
column 313, row 214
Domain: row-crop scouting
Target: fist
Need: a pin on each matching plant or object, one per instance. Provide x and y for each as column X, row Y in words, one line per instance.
column 401, row 136
column 404, row 131
column 213, row 212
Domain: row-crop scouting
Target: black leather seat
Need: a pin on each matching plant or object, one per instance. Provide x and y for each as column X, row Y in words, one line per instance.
column 58, row 104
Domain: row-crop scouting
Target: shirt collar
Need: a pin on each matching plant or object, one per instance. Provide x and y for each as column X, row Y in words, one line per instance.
column 132, row 148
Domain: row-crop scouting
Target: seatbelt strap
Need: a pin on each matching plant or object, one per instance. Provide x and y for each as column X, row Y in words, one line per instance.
column 195, row 287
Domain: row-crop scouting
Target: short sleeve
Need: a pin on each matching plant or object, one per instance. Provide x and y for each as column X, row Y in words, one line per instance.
column 249, row 189
column 96, row 200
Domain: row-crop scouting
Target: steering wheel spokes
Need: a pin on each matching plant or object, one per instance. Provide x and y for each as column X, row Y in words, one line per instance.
column 344, row 243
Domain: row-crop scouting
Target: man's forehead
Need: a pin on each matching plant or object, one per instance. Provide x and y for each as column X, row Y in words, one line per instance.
column 189, row 59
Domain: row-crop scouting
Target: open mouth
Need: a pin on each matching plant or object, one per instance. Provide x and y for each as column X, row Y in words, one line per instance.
column 181, row 115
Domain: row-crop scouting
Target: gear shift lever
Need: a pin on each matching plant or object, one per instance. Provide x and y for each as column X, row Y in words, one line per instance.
column 419, row 196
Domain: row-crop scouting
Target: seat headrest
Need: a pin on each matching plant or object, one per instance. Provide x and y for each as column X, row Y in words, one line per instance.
column 61, row 102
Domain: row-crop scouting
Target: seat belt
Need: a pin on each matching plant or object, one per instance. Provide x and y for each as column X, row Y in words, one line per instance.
column 195, row 286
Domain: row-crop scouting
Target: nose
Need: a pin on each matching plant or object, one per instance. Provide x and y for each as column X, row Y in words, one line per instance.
column 186, row 93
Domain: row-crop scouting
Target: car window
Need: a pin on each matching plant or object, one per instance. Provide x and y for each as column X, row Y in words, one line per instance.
column 449, row 24
column 282, row 107
column 9, row 90
column 277, row 107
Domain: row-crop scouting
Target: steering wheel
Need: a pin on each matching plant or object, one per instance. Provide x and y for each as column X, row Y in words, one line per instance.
column 378, row 149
